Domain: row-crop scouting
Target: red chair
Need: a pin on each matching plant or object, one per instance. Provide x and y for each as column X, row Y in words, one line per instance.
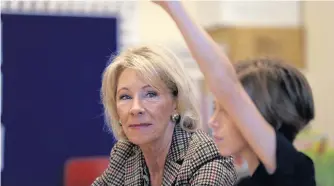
column 83, row 171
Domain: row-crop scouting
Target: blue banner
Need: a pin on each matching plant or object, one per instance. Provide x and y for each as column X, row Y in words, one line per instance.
column 51, row 108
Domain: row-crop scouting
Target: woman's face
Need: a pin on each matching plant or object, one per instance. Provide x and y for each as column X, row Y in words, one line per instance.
column 225, row 134
column 143, row 110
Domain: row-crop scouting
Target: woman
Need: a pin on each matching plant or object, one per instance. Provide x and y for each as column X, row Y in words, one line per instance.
column 261, row 105
column 151, row 107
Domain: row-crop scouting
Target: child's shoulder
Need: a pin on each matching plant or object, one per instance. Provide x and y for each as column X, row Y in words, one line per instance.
column 293, row 163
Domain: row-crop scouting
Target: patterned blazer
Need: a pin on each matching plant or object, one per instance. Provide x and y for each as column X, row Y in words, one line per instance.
column 193, row 159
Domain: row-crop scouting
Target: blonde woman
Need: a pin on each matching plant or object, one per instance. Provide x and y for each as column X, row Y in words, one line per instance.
column 151, row 107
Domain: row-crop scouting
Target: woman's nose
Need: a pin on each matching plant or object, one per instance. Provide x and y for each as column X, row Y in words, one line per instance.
column 137, row 107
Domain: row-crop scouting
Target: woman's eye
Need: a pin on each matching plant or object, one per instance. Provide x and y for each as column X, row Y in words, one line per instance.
column 151, row 94
column 124, row 97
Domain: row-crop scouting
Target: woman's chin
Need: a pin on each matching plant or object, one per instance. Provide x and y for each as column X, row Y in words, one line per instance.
column 140, row 140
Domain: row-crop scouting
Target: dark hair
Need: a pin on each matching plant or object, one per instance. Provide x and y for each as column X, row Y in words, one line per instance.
column 280, row 92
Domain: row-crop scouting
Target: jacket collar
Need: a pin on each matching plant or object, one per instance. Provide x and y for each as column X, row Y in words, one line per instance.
column 179, row 145
column 134, row 168
column 176, row 154
column 135, row 164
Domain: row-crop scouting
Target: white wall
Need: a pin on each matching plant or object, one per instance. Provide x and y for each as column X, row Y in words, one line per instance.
column 154, row 25
column 319, row 23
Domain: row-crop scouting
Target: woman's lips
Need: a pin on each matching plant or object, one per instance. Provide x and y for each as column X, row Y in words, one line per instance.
column 140, row 125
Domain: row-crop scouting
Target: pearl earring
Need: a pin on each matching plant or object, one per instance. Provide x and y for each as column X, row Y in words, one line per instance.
column 175, row 118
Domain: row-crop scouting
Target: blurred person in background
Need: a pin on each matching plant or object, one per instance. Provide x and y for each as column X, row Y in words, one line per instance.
column 151, row 107
column 260, row 106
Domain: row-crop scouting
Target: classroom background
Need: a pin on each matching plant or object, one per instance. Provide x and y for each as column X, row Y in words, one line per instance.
column 53, row 54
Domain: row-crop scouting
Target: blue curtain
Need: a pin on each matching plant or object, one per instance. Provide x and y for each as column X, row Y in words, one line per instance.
column 52, row 67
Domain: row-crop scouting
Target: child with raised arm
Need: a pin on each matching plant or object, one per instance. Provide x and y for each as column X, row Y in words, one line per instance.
column 260, row 106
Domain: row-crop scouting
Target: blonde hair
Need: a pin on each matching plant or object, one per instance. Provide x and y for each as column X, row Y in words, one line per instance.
column 153, row 63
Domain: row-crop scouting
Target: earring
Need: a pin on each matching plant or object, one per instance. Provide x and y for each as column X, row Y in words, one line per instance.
column 175, row 118
column 120, row 123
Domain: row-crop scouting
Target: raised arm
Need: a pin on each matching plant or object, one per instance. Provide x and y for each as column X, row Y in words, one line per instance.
column 224, row 84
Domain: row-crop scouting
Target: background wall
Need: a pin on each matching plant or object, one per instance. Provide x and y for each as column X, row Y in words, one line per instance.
column 318, row 18
column 154, row 25
column 143, row 22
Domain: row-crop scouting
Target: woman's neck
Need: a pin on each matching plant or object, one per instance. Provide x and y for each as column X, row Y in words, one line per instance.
column 252, row 160
column 155, row 154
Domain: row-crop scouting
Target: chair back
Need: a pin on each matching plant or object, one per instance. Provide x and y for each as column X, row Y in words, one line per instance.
column 83, row 171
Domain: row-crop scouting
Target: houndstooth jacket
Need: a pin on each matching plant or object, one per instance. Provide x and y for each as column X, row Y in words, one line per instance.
column 193, row 159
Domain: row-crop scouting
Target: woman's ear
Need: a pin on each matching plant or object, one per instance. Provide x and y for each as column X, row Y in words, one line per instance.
column 174, row 105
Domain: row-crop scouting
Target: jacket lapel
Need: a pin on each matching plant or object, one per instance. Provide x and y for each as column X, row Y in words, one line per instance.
column 176, row 154
column 134, row 168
